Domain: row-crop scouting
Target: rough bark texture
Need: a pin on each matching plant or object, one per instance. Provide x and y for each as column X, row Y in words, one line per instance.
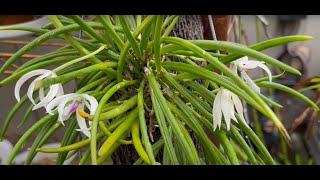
column 126, row 155
column 190, row 27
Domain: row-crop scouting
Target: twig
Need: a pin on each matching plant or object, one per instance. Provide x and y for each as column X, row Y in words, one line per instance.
column 8, row 72
column 302, row 83
column 27, row 56
column 311, row 123
column 302, row 117
column 231, row 26
column 213, row 31
column 13, row 65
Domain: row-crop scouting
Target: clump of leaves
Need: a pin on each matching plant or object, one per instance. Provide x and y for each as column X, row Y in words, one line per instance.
column 125, row 65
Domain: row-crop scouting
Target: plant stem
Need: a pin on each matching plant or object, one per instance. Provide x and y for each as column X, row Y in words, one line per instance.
column 157, row 35
column 95, row 121
column 143, row 125
column 79, row 59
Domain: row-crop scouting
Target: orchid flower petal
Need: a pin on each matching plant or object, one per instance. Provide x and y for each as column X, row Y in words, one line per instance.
column 237, row 103
column 44, row 100
column 53, row 91
column 51, row 94
column 24, row 78
column 67, row 109
column 265, row 68
column 41, row 93
column 85, row 131
column 55, row 102
column 231, row 108
column 234, row 68
column 65, row 114
column 216, row 110
column 221, row 99
column 60, row 117
column 82, row 123
column 226, row 105
column 32, row 86
column 60, row 92
column 86, row 104
column 93, row 103
column 62, row 106
column 61, row 110
column 252, row 64
column 250, row 82
column 242, row 60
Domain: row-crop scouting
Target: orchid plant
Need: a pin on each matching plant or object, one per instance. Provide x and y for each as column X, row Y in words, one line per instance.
column 128, row 88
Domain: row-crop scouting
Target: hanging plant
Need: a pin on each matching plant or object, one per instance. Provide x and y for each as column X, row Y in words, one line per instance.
column 127, row 82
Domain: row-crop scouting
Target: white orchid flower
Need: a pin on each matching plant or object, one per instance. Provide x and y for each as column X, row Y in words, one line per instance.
column 225, row 103
column 69, row 103
column 55, row 90
column 244, row 64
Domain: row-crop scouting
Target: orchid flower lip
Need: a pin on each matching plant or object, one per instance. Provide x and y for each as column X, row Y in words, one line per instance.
column 74, row 106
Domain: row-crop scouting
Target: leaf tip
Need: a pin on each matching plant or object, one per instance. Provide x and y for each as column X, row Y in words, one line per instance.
column 297, row 72
column 100, row 152
column 308, row 37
